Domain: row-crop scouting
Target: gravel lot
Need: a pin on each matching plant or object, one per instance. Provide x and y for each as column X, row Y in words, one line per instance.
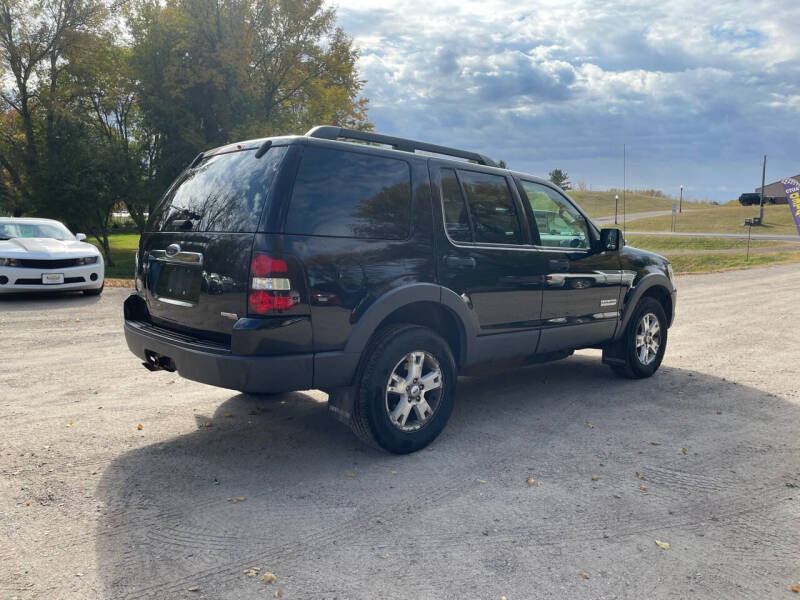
column 91, row 507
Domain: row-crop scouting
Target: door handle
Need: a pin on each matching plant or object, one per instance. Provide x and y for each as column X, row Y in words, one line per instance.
column 459, row 261
column 559, row 265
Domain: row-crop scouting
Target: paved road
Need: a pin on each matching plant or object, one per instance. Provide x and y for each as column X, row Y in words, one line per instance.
column 630, row 217
column 93, row 508
column 760, row 250
column 706, row 234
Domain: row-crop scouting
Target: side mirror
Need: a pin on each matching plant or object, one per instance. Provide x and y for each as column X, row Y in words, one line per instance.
column 80, row 236
column 611, row 239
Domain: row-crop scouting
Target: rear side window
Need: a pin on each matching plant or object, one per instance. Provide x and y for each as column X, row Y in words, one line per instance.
column 456, row 217
column 224, row 193
column 492, row 213
column 350, row 194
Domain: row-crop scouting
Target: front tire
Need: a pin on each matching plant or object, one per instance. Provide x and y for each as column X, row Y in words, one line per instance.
column 645, row 341
column 407, row 389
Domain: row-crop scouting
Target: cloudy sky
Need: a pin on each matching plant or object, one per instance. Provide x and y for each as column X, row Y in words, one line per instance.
column 698, row 91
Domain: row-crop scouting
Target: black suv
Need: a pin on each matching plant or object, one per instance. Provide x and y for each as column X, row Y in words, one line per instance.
column 378, row 273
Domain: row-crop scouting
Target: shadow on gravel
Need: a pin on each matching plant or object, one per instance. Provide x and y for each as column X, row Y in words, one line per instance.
column 281, row 486
column 45, row 301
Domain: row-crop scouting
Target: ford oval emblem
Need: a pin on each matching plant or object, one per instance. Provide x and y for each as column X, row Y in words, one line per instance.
column 173, row 249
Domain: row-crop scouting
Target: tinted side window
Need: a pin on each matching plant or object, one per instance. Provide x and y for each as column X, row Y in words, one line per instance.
column 456, row 218
column 494, row 218
column 350, row 194
column 558, row 222
column 223, row 193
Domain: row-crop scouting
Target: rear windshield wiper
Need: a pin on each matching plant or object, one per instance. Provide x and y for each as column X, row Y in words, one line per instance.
column 186, row 219
column 185, row 224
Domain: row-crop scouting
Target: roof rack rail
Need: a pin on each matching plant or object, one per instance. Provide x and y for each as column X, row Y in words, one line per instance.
column 331, row 132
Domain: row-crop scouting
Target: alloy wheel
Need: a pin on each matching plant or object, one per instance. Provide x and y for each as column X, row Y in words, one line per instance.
column 648, row 338
column 414, row 391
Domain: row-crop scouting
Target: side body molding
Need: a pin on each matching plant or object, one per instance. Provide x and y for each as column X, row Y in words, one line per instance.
column 467, row 321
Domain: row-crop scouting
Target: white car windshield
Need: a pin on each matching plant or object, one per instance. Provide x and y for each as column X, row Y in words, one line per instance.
column 34, row 230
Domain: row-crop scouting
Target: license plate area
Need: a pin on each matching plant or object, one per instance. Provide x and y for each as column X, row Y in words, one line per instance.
column 52, row 278
column 178, row 285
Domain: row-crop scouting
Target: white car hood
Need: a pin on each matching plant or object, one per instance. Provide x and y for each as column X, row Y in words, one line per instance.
column 44, row 248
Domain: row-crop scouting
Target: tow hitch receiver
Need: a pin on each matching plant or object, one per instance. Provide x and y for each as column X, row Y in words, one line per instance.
column 156, row 362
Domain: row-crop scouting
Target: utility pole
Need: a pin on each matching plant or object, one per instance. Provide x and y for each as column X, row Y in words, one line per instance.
column 761, row 204
column 680, row 202
column 616, row 205
column 624, row 186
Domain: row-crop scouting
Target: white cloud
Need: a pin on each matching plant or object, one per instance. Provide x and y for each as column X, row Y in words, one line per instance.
column 696, row 91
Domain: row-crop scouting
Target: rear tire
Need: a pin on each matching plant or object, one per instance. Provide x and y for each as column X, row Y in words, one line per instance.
column 645, row 341
column 96, row 292
column 406, row 390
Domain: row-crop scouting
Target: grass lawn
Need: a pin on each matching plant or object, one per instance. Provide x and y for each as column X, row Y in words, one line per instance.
column 722, row 219
column 123, row 252
column 709, row 262
column 667, row 244
column 601, row 204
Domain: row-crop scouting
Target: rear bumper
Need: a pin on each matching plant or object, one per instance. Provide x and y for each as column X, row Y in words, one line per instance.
column 216, row 365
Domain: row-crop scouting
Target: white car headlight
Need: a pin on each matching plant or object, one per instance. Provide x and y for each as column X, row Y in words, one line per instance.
column 88, row 260
column 9, row 262
column 670, row 274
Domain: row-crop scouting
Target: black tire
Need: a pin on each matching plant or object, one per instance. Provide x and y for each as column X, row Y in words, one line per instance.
column 634, row 368
column 96, row 292
column 371, row 421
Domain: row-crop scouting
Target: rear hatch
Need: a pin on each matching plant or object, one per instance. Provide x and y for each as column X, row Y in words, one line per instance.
column 194, row 258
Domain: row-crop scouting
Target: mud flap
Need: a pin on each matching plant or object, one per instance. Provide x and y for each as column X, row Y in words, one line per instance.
column 341, row 402
column 614, row 353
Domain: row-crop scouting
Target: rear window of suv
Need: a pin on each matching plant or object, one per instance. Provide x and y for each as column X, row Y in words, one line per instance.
column 224, row 193
column 492, row 214
column 350, row 194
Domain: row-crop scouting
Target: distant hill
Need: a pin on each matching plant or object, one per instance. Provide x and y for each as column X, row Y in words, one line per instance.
column 601, row 204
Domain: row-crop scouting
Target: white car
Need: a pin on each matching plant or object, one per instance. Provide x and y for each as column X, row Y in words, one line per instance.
column 43, row 255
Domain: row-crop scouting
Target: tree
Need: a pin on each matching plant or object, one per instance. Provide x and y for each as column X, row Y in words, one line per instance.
column 79, row 185
column 213, row 71
column 55, row 161
column 14, row 190
column 88, row 122
column 34, row 35
column 105, row 88
column 560, row 178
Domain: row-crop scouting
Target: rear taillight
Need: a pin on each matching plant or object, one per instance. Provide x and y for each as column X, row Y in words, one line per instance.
column 264, row 265
column 270, row 286
column 265, row 302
